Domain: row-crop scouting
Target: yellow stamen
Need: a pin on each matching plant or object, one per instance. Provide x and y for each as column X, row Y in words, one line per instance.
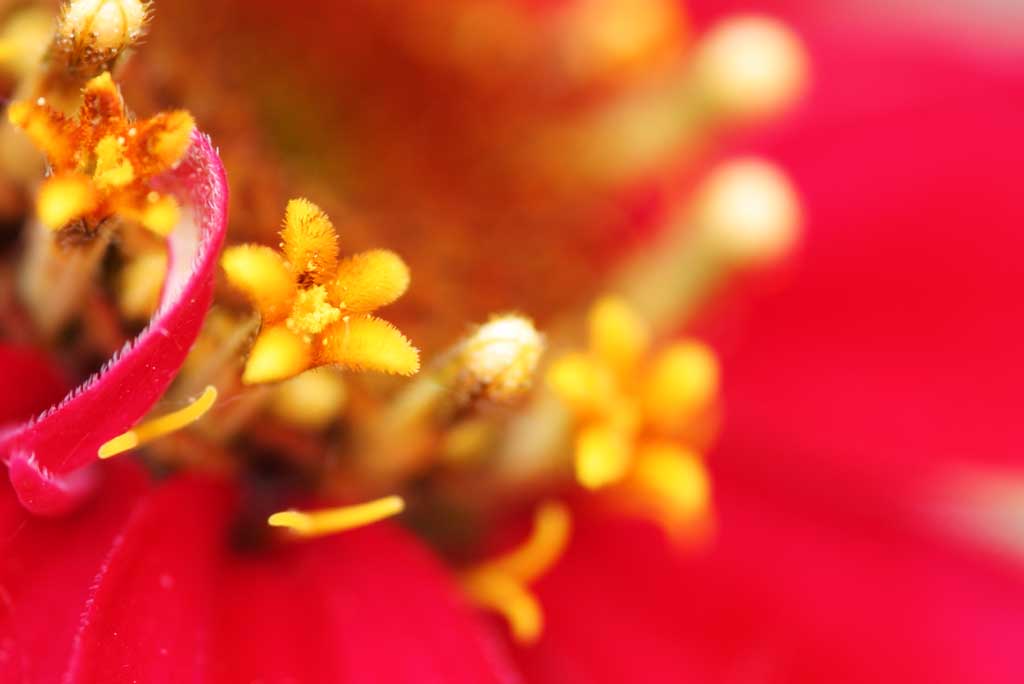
column 159, row 427
column 332, row 520
column 617, row 335
column 500, row 584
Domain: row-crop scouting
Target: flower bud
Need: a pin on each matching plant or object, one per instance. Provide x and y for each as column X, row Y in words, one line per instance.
column 751, row 67
column 749, row 212
column 95, row 31
column 502, row 355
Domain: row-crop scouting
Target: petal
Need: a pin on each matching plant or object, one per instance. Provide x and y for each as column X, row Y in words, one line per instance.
column 262, row 275
column 364, row 606
column 277, row 354
column 47, row 568
column 370, row 280
column 143, row 585
column 66, row 437
column 30, row 383
column 368, row 343
column 781, row 596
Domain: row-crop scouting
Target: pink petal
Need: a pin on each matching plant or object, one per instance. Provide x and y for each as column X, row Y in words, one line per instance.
column 43, row 455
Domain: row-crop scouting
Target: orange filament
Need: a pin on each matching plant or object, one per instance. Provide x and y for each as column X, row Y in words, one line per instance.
column 159, row 427
column 500, row 584
column 320, row 523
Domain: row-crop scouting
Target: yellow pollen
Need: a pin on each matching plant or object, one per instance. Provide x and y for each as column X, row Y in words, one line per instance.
column 500, row 584
column 165, row 425
column 320, row 523
column 311, row 312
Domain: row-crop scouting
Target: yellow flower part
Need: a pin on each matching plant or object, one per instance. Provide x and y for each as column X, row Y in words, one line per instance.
column 316, row 310
column 101, row 160
column 502, row 584
column 632, row 409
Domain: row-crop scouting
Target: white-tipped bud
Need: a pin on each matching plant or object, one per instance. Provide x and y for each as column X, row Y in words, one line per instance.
column 500, row 358
column 751, row 67
column 101, row 28
column 749, row 211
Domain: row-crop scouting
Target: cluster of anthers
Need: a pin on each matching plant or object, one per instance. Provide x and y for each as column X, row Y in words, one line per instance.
column 101, row 161
column 641, row 420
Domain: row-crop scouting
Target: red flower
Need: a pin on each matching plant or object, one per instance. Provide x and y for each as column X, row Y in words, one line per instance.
column 844, row 413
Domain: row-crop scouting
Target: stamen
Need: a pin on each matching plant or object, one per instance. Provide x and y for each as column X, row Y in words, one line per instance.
column 165, row 425
column 500, row 584
column 332, row 520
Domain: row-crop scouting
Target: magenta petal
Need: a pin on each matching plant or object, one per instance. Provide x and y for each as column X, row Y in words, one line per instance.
column 43, row 453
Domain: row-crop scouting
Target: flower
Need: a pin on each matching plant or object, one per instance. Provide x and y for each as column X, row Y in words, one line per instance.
column 101, row 162
column 316, row 309
column 822, row 562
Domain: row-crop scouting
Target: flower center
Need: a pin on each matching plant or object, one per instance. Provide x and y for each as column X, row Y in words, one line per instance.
column 311, row 312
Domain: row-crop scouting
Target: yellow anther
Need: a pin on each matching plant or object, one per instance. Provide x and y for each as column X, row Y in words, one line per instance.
column 672, row 483
column 588, row 387
column 113, row 170
column 502, row 355
column 64, row 198
column 320, row 523
column 309, row 241
column 277, row 354
column 500, row 584
column 368, row 343
column 262, row 275
column 682, row 382
column 603, row 455
column 159, row 427
column 311, row 312
column 617, row 335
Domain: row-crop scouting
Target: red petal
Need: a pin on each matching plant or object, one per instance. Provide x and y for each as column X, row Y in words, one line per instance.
column 145, row 589
column 783, row 596
column 43, row 453
column 367, row 606
column 29, row 382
